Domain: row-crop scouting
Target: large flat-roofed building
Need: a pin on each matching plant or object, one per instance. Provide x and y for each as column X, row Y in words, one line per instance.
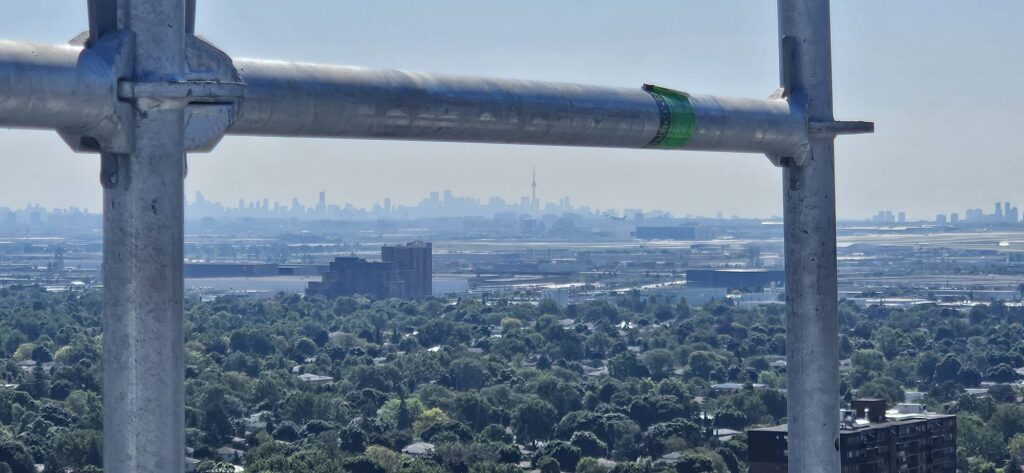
column 734, row 278
column 871, row 440
column 404, row 272
column 667, row 233
column 349, row 276
column 230, row 270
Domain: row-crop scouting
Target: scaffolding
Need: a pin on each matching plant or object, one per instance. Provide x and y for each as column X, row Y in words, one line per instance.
column 142, row 90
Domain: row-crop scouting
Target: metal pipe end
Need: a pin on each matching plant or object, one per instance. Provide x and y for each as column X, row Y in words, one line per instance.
column 836, row 128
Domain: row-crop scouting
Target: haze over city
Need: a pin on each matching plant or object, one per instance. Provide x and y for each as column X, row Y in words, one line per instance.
column 946, row 102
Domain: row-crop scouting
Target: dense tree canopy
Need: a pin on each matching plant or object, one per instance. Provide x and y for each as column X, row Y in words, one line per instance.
column 491, row 386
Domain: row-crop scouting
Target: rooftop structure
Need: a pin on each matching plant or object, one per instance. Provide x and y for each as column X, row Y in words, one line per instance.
column 871, row 439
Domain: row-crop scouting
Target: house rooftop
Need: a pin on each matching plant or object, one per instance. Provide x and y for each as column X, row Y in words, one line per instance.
column 313, row 378
column 418, row 448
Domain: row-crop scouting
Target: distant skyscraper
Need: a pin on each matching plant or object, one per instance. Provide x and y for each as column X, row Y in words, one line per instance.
column 533, row 184
column 415, row 266
column 534, row 203
column 954, row 218
column 321, row 205
column 884, row 216
column 901, row 217
column 940, row 219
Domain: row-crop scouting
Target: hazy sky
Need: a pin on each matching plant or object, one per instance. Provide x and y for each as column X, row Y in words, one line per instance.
column 941, row 78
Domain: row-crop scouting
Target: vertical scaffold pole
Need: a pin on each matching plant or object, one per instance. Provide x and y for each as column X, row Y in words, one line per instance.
column 812, row 351
column 143, row 226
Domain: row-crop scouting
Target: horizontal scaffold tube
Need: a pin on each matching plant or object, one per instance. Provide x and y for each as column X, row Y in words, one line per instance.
column 66, row 87
column 59, row 86
column 292, row 99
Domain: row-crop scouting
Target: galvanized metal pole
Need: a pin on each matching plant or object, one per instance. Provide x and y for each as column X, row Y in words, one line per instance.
column 143, row 226
column 294, row 99
column 812, row 347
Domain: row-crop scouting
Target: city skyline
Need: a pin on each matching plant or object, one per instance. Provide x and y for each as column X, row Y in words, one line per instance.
column 447, row 203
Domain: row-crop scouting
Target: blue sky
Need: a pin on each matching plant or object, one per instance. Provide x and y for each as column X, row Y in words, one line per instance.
column 941, row 79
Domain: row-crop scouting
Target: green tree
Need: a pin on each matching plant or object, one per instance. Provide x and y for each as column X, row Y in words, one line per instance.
column 429, row 418
column 548, row 465
column 979, row 465
column 694, row 463
column 1012, row 466
column 589, row 445
column 362, row 464
column 73, row 449
column 1015, row 447
column 494, row 433
column 976, row 438
column 287, row 432
column 305, row 347
column 389, row 460
column 947, row 369
column 448, row 429
column 659, row 362
column 1008, row 419
column 38, row 382
column 882, row 388
column 1001, row 373
column 626, row 365
column 351, row 439
column 969, row 376
column 534, row 420
column 468, row 374
column 214, row 467
column 41, row 354
column 590, row 465
column 566, row 454
column 702, row 364
column 16, row 456
column 872, row 361
column 404, row 418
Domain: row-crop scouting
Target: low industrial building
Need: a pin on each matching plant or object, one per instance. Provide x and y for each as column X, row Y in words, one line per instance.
column 666, row 233
column 735, row 278
column 230, row 270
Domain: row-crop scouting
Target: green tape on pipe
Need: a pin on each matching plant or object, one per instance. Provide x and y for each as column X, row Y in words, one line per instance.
column 677, row 118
